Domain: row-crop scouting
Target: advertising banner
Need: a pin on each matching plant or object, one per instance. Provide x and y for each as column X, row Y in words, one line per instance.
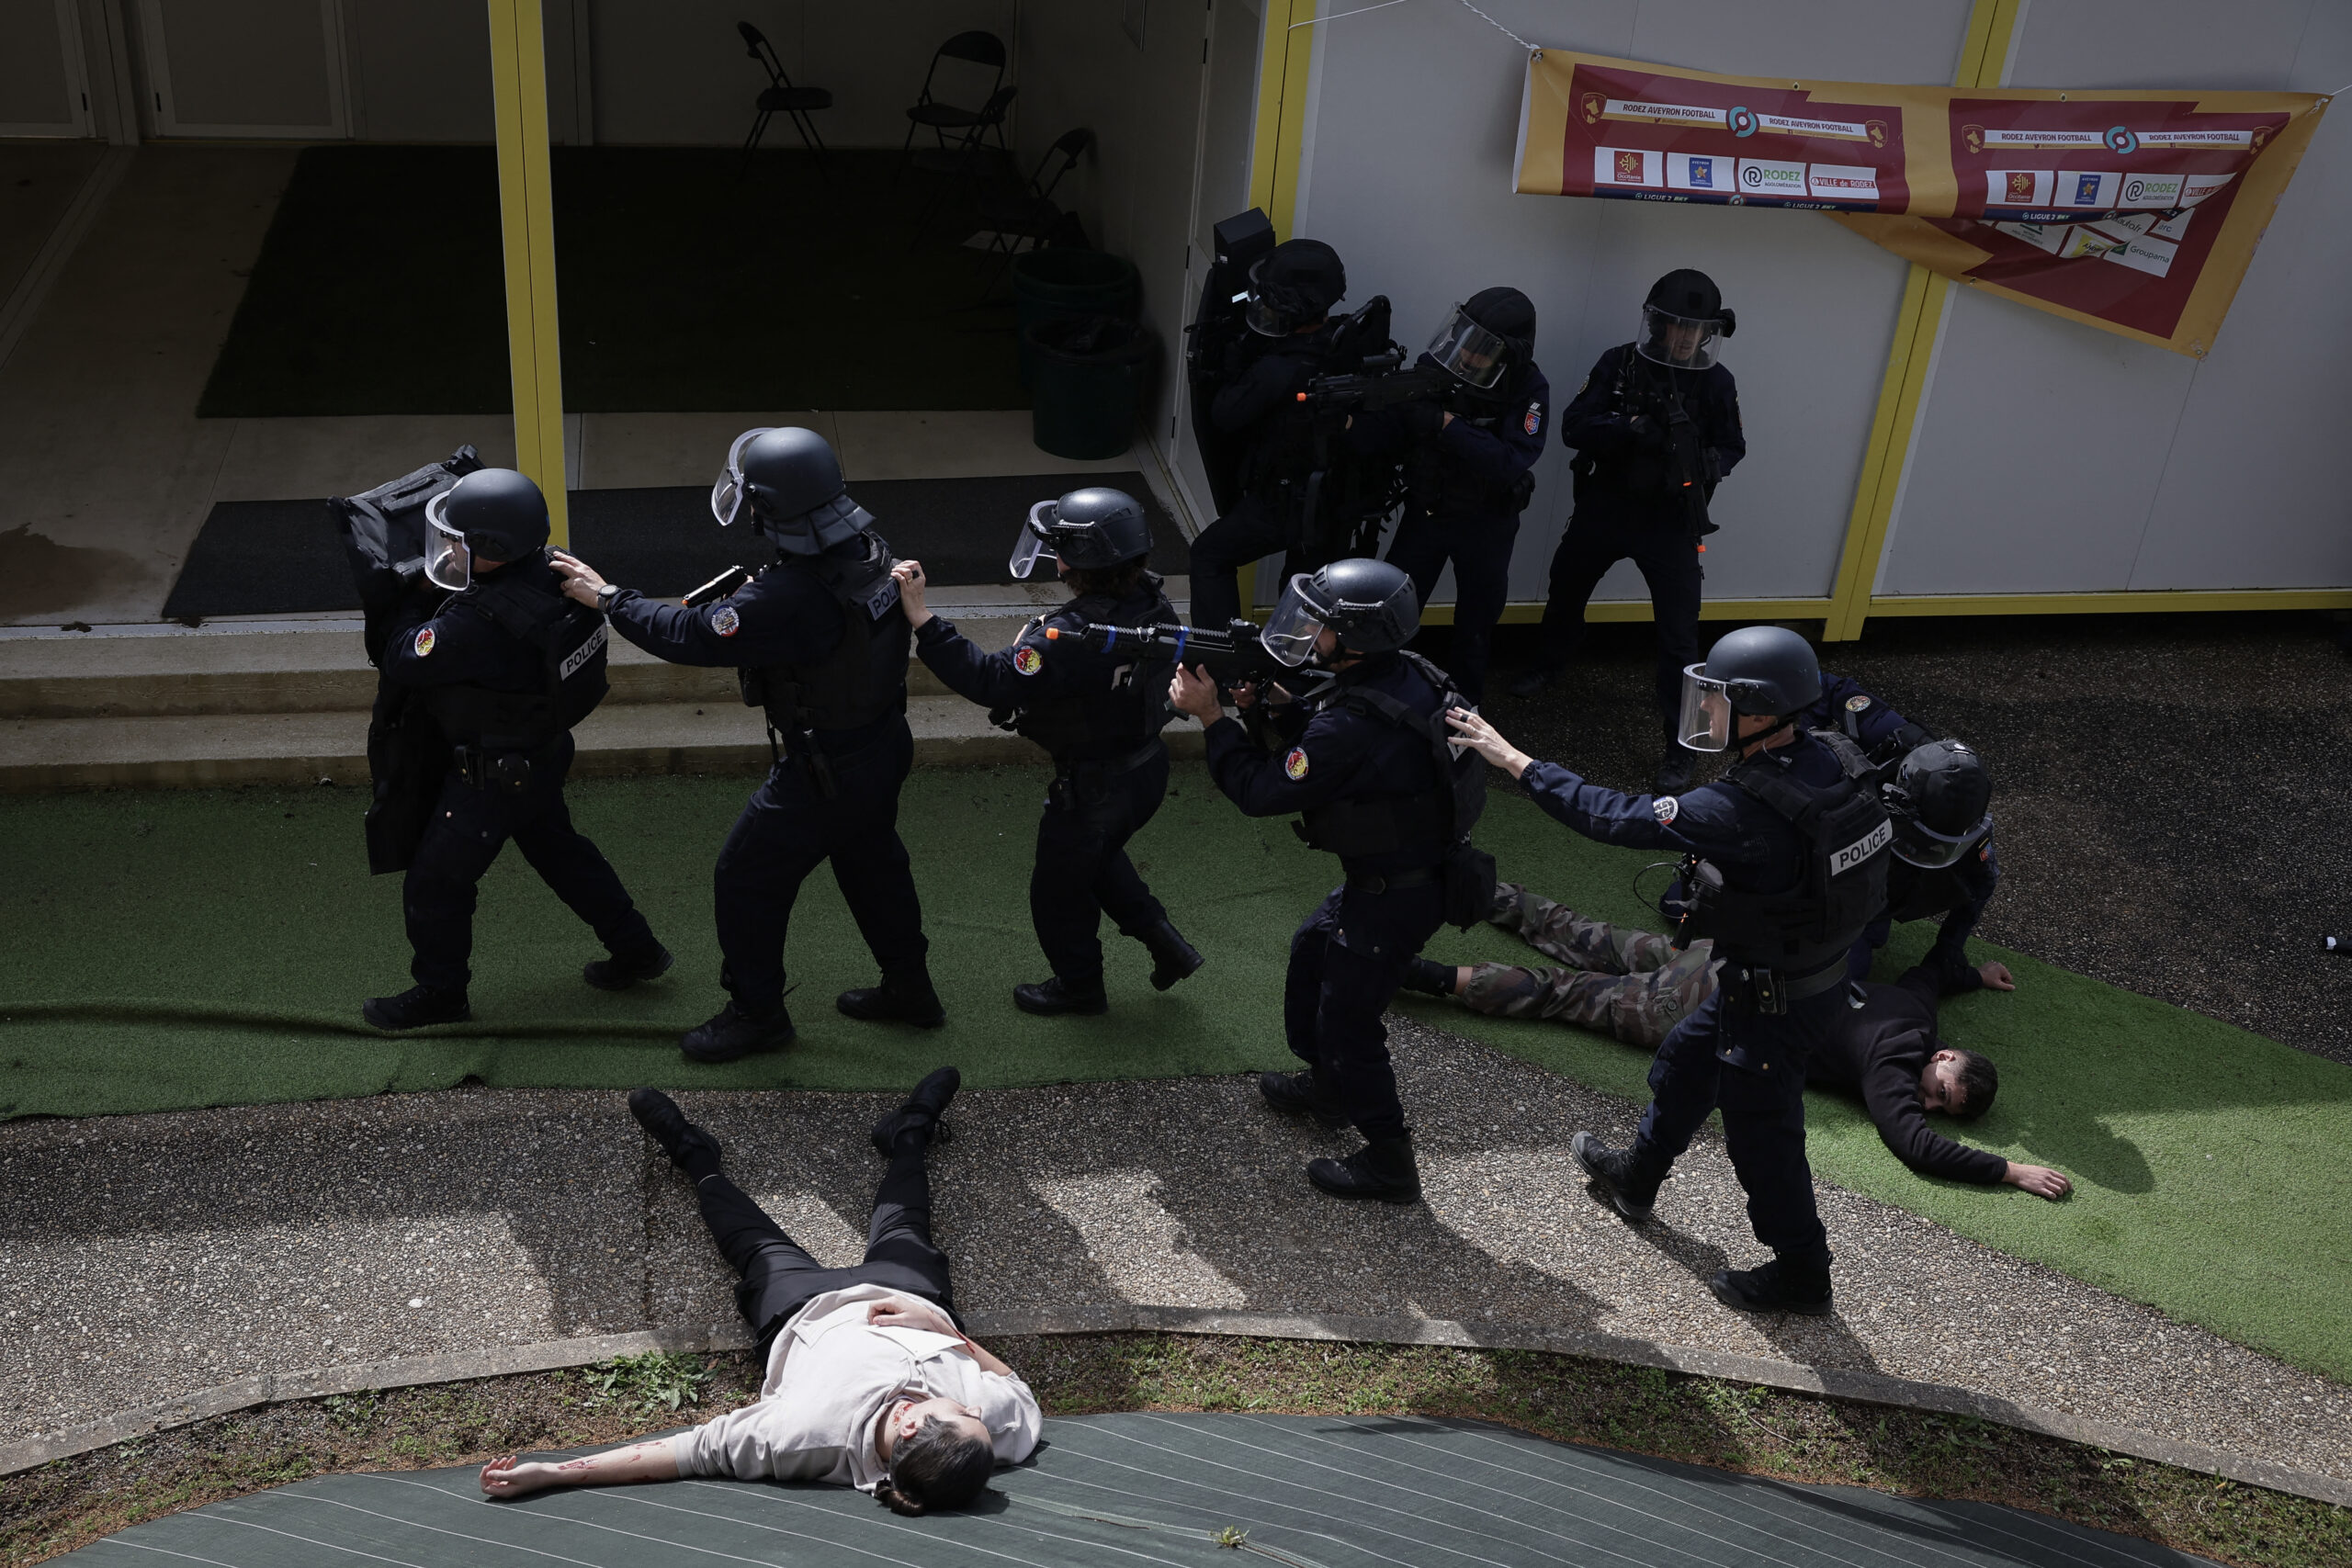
column 2135, row 211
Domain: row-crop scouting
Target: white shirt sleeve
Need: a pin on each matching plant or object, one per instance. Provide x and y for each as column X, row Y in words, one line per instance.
column 770, row 1439
column 1010, row 1411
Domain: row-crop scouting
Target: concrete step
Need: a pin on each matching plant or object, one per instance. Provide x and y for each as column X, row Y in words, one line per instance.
column 208, row 751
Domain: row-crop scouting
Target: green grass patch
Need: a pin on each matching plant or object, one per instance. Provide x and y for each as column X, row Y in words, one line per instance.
column 164, row 951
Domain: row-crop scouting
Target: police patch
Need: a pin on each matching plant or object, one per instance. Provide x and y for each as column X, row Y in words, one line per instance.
column 423, row 641
column 1534, row 420
column 1857, row 702
column 1028, row 661
column 1296, row 763
column 726, row 621
column 1665, row 808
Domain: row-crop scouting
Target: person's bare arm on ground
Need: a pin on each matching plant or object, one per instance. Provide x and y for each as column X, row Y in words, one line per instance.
column 507, row 1477
column 2037, row 1179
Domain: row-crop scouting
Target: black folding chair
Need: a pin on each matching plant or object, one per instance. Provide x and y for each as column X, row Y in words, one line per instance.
column 937, row 115
column 961, row 162
column 780, row 97
column 1028, row 211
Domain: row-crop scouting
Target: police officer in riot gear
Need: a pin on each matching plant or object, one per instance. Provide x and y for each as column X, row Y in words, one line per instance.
column 1654, row 426
column 1368, row 767
column 1291, row 290
column 507, row 666
column 1467, row 452
column 822, row 648
column 1785, row 862
column 1098, row 712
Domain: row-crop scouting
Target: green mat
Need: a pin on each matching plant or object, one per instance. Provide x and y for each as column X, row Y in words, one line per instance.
column 380, row 289
column 168, row 950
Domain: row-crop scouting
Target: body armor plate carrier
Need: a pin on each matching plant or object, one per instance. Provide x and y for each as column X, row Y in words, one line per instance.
column 1115, row 721
column 863, row 680
column 571, row 640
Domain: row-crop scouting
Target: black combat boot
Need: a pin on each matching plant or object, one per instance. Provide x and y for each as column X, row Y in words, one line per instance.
column 690, row 1149
column 1383, row 1169
column 1302, row 1093
column 1617, row 1176
column 1050, row 998
column 417, row 1006
column 733, row 1033
column 623, row 970
column 1173, row 957
column 1675, row 770
column 904, row 996
column 923, row 1111
column 1796, row 1280
column 1430, row 978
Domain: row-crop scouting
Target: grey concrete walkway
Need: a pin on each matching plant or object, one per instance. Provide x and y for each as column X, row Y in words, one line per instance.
column 143, row 1258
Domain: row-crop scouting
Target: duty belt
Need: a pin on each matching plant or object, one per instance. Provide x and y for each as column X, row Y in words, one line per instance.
column 1110, row 767
column 1769, row 991
column 1394, row 881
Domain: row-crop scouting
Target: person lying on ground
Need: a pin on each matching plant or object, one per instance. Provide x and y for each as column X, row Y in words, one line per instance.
column 1632, row 984
column 870, row 1382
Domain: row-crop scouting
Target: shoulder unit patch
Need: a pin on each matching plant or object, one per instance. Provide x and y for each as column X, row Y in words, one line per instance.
column 1296, row 763
column 1665, row 808
column 726, row 620
column 423, row 644
column 1027, row 660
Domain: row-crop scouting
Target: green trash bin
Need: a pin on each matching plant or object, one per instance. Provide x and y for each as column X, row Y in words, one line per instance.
column 1090, row 382
column 1050, row 284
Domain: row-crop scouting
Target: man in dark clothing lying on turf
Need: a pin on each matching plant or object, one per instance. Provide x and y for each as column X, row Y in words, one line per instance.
column 870, row 1383
column 1633, row 985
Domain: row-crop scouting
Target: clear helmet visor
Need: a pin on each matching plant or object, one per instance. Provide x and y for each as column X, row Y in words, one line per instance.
column 1922, row 846
column 1468, row 351
column 727, row 495
column 1682, row 342
column 448, row 563
column 1292, row 630
column 1705, row 724
column 1032, row 547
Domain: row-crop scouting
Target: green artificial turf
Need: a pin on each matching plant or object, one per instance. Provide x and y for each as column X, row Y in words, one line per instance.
column 380, row 289
column 167, row 950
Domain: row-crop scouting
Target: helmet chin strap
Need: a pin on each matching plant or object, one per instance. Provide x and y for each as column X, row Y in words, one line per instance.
column 1786, row 721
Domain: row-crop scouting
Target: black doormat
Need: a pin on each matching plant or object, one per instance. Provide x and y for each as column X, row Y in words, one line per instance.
column 380, row 288
column 282, row 558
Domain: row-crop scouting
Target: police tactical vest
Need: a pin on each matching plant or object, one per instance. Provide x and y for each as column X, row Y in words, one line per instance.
column 863, row 678
column 1806, row 932
column 571, row 640
column 1431, row 821
column 1439, row 483
column 1114, row 718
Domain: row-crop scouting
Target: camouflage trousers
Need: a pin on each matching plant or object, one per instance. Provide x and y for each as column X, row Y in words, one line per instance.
column 1616, row 979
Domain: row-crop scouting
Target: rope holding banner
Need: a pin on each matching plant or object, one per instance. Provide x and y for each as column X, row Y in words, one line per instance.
column 1499, row 27
column 1384, row 5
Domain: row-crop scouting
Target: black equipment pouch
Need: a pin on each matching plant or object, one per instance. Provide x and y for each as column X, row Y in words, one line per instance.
column 407, row 758
column 860, row 682
column 382, row 533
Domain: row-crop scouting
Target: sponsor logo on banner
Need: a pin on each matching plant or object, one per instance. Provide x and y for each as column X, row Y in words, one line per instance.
column 2151, row 256
column 1877, row 130
column 1861, row 849
column 2017, row 187
column 2173, row 228
column 1662, row 114
column 2151, row 191
column 2198, row 187
column 2031, row 136
column 1842, row 182
column 2078, row 189
column 585, row 651
column 2085, row 240
column 2126, row 226
column 1296, row 763
column 2120, row 140
column 2203, row 138
column 1694, row 171
column 1831, row 130
column 1742, row 121
column 1626, row 166
column 1770, row 178
column 2042, row 236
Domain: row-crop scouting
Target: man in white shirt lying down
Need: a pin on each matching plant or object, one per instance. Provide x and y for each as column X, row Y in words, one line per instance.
column 870, row 1382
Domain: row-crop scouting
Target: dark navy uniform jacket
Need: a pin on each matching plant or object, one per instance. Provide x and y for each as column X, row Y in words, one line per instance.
column 1878, row 1050
column 454, row 645
column 1335, row 755
column 1482, row 455
column 782, row 616
column 1630, row 475
column 1037, row 668
column 1875, row 723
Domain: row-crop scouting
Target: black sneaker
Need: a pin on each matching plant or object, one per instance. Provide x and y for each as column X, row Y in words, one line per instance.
column 619, row 971
column 904, row 997
column 1784, row 1284
column 1615, row 1177
column 1532, row 683
column 1301, row 1093
column 1051, row 998
column 1173, row 957
column 1382, row 1170
column 415, row 1008
column 923, row 1108
column 732, row 1033
column 690, row 1149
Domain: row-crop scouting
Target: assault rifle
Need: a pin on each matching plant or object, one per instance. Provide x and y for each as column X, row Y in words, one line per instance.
column 1379, row 385
column 1234, row 656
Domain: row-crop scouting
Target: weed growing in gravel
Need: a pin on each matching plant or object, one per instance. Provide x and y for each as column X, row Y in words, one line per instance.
column 658, row 1382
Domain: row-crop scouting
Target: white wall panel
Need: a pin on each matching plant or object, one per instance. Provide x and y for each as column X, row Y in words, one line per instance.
column 420, row 70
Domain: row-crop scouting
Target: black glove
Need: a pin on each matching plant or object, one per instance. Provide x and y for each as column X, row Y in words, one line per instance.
column 1649, row 435
column 1424, row 418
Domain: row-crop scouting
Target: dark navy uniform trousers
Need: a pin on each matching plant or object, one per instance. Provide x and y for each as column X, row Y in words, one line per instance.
column 1082, row 871
column 1480, row 548
column 1667, row 557
column 1346, row 963
column 470, row 827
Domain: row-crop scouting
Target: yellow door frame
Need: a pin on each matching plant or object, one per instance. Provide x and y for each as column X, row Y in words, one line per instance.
column 518, row 78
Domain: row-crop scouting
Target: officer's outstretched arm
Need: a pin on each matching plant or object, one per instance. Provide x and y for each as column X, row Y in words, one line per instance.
column 1474, row 732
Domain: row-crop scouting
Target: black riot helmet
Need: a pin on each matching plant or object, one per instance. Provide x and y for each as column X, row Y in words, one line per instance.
column 1938, row 800
column 1487, row 339
column 1370, row 605
column 1756, row 670
column 1087, row 530
column 1683, row 320
column 1294, row 285
column 495, row 514
column 790, row 481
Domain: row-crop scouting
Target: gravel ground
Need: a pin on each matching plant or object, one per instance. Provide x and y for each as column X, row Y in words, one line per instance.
column 170, row 1253
column 2169, row 790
